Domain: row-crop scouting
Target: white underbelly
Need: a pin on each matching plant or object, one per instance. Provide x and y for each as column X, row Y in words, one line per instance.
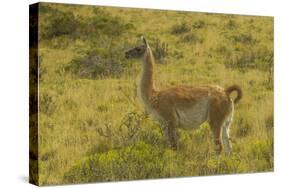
column 192, row 117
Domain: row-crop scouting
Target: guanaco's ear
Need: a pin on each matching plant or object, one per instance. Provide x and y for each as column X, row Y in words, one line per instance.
column 144, row 41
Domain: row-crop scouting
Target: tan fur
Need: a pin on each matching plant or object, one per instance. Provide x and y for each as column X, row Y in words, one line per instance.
column 187, row 107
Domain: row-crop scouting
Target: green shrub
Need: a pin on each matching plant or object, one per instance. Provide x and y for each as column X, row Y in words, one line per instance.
column 180, row 29
column 104, row 59
column 109, row 25
column 140, row 161
column 243, row 60
column 198, row 24
column 160, row 50
column 48, row 103
column 59, row 23
column 231, row 24
column 128, row 132
column 94, row 66
column 192, row 38
column 269, row 122
column 223, row 164
column 173, row 164
column 151, row 135
column 48, row 155
column 247, row 58
column 262, row 150
column 245, row 127
column 245, row 38
column 178, row 54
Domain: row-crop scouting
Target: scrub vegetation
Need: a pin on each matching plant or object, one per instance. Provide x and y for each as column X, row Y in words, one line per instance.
column 92, row 125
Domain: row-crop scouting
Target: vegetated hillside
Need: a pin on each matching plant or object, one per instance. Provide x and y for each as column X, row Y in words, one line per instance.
column 93, row 127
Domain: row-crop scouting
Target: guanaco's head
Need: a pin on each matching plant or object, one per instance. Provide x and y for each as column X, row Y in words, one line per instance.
column 139, row 51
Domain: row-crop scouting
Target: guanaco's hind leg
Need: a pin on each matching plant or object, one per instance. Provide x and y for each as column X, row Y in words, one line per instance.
column 219, row 122
column 216, row 130
column 225, row 137
column 225, row 132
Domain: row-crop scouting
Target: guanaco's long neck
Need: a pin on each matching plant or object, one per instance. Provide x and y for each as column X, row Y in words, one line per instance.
column 147, row 83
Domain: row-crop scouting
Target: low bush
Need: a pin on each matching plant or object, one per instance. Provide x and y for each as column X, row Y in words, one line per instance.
column 94, row 66
column 48, row 103
column 246, row 58
column 103, row 59
column 262, row 150
column 160, row 50
column 223, row 164
column 245, row 38
column 244, row 129
column 269, row 123
column 139, row 161
column 59, row 23
column 192, row 38
column 231, row 24
column 130, row 130
column 180, row 29
column 198, row 24
column 109, row 25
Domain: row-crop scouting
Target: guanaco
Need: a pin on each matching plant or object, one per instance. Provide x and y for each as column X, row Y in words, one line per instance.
column 186, row 107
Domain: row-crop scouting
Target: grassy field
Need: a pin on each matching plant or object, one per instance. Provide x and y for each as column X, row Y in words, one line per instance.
column 93, row 128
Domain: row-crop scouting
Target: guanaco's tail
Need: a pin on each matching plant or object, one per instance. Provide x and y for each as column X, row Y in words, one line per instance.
column 236, row 88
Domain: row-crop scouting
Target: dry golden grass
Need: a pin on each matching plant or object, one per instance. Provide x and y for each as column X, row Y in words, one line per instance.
column 94, row 129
